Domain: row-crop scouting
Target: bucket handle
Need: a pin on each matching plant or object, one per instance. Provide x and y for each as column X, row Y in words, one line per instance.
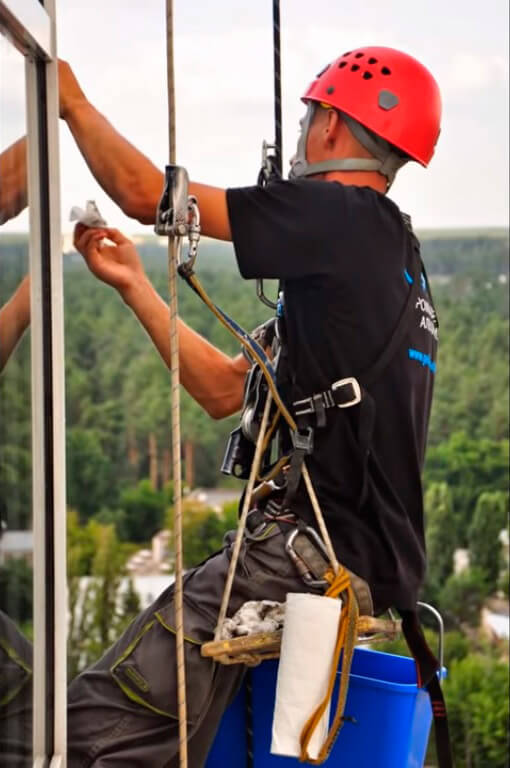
column 440, row 623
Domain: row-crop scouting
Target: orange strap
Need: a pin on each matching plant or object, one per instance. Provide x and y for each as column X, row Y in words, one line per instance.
column 340, row 586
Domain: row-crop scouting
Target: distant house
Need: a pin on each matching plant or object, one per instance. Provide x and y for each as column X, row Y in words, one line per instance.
column 215, row 497
column 15, row 545
column 152, row 561
column 460, row 561
column 495, row 620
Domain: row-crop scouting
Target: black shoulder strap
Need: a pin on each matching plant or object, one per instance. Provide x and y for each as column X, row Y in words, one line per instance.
column 427, row 667
column 370, row 376
column 367, row 414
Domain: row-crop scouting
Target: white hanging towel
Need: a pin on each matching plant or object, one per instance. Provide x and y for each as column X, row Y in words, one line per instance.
column 308, row 643
column 89, row 216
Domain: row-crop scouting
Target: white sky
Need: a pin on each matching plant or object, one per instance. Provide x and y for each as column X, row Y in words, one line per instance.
column 223, row 65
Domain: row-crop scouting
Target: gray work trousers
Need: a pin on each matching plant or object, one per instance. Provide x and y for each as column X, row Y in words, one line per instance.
column 123, row 710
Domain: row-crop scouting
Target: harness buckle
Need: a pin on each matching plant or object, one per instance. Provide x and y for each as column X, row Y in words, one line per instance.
column 319, row 402
column 302, row 440
column 354, row 383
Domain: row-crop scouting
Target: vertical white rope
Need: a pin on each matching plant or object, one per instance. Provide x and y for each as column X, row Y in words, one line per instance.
column 319, row 517
column 173, row 251
column 244, row 514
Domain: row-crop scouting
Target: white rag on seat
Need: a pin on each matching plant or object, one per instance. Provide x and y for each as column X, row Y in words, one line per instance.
column 254, row 616
column 90, row 217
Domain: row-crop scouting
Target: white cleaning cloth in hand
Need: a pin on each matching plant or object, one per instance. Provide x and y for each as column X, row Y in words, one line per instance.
column 90, row 216
column 308, row 643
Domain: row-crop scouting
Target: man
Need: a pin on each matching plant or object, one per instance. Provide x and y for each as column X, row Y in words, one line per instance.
column 355, row 302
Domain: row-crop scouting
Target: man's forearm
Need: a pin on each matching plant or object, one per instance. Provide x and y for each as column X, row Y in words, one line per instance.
column 213, row 379
column 14, row 320
column 130, row 178
column 125, row 173
column 13, row 180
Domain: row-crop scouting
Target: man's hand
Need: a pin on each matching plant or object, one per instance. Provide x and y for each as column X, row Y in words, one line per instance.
column 118, row 265
column 70, row 93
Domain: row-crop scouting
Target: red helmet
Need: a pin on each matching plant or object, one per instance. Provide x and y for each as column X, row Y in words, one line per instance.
column 388, row 92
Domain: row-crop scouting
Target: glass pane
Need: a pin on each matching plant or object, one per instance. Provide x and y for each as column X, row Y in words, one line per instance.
column 16, row 541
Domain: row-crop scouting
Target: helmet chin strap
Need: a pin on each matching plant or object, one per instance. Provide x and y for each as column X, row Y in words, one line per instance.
column 384, row 161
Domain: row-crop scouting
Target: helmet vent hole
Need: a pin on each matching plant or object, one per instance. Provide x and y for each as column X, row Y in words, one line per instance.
column 354, row 67
column 372, row 60
column 386, row 71
column 348, row 53
column 359, row 55
column 342, row 64
column 324, row 69
column 367, row 76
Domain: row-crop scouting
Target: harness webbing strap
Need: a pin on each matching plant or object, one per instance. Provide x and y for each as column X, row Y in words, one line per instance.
column 427, row 667
column 366, row 423
column 372, row 374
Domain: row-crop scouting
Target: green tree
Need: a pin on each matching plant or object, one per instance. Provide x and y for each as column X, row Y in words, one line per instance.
column 98, row 609
column 456, row 646
column 470, row 467
column 130, row 605
column 89, row 472
column 203, row 530
column 144, row 512
column 463, row 595
column 16, row 590
column 476, row 693
column 441, row 534
column 490, row 517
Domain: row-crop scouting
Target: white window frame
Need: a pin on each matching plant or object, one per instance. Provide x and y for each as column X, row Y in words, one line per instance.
column 30, row 26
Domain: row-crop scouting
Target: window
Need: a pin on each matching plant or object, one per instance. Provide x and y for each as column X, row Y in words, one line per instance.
column 32, row 465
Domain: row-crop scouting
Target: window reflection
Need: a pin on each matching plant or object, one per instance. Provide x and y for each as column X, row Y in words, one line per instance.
column 16, row 540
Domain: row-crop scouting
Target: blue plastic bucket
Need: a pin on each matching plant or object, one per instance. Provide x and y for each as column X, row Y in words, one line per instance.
column 390, row 726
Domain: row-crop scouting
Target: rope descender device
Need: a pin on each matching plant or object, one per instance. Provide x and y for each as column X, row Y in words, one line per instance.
column 178, row 215
column 269, row 171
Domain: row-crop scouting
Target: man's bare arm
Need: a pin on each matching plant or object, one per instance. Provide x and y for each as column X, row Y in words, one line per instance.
column 125, row 173
column 14, row 320
column 213, row 379
column 13, row 180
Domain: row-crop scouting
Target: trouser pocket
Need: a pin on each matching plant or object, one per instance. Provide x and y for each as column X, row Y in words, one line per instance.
column 14, row 677
column 15, row 664
column 146, row 671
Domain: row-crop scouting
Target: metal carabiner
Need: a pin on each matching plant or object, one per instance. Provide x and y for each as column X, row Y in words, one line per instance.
column 301, row 566
column 193, row 230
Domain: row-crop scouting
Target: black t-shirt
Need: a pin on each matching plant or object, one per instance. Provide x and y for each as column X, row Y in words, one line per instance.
column 343, row 255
